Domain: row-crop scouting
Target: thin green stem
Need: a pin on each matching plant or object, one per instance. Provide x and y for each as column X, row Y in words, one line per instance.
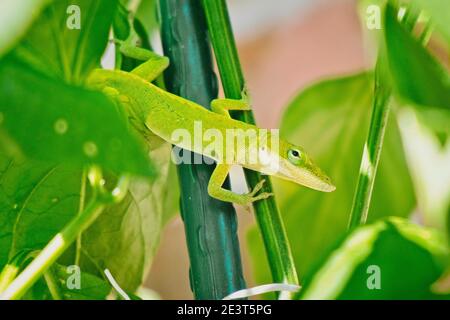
column 374, row 143
column 52, row 285
column 269, row 220
column 371, row 153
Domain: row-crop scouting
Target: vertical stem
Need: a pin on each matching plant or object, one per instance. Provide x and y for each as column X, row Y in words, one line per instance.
column 210, row 224
column 374, row 142
column 371, row 153
column 267, row 214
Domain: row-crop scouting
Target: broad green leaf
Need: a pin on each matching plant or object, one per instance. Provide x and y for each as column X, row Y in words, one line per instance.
column 331, row 119
column 51, row 121
column 37, row 200
column 419, row 79
column 121, row 23
column 392, row 259
column 172, row 197
column 125, row 237
column 439, row 10
column 59, row 46
column 15, row 17
column 416, row 75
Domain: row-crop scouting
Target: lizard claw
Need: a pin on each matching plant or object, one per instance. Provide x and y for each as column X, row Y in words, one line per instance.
column 252, row 197
column 261, row 196
column 257, row 187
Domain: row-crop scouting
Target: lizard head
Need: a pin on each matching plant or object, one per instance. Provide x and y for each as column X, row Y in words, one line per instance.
column 297, row 166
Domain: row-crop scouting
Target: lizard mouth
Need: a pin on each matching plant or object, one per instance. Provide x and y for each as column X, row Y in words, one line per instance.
column 314, row 182
column 307, row 178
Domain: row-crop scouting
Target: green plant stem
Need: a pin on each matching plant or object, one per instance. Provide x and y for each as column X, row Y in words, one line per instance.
column 52, row 251
column 371, row 153
column 52, row 284
column 378, row 122
column 267, row 214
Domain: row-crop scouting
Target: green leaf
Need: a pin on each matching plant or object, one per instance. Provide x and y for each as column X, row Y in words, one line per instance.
column 15, row 18
column 392, row 259
column 121, row 23
column 330, row 119
column 37, row 200
column 417, row 76
column 47, row 120
column 419, row 79
column 125, row 237
column 440, row 14
column 51, row 121
column 56, row 46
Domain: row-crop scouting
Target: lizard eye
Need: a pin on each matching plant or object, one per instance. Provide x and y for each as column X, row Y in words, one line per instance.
column 294, row 156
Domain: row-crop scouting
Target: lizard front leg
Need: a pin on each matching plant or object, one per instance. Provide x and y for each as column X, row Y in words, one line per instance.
column 216, row 190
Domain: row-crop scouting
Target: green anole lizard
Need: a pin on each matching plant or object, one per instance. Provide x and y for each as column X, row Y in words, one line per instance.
column 162, row 113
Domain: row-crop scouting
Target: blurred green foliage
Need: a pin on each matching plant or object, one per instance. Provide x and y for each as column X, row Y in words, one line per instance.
column 390, row 259
column 52, row 127
column 330, row 119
